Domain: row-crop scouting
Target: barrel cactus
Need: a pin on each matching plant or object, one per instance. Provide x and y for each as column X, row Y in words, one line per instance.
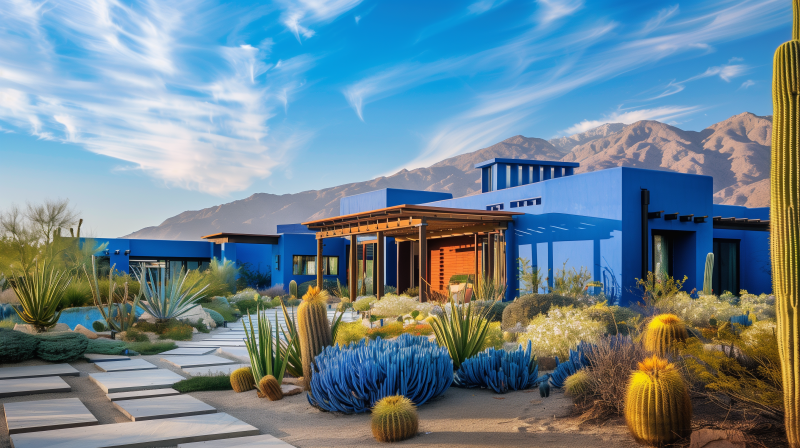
column 578, row 384
column 313, row 329
column 293, row 289
column 394, row 419
column 269, row 387
column 412, row 366
column 658, row 409
column 663, row 332
column 785, row 219
column 499, row 370
column 707, row 275
column 61, row 347
column 242, row 380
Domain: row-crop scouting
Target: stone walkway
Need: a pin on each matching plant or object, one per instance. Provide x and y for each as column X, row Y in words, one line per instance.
column 138, row 391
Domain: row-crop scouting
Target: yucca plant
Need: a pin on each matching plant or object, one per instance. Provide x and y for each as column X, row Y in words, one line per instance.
column 268, row 357
column 114, row 309
column 168, row 298
column 39, row 294
column 489, row 290
column 462, row 331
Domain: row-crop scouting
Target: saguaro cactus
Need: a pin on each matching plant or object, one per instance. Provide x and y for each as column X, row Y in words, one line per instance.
column 313, row 329
column 707, row 275
column 658, row 409
column 785, row 218
column 293, row 289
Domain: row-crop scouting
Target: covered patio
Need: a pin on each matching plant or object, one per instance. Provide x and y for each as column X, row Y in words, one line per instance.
column 476, row 233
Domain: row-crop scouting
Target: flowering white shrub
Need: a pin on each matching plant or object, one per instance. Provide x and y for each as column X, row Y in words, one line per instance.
column 363, row 303
column 751, row 335
column 698, row 312
column 393, row 305
column 562, row 329
column 763, row 306
column 248, row 294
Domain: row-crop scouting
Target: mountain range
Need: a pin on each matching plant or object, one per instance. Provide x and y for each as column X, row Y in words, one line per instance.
column 735, row 152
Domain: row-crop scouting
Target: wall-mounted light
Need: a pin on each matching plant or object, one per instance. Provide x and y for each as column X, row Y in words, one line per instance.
column 116, row 252
column 127, row 252
column 106, row 251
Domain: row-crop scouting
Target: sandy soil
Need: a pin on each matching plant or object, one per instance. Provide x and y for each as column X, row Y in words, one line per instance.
column 459, row 418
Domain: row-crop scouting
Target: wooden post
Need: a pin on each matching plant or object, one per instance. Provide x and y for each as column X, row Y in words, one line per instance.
column 352, row 282
column 477, row 263
column 423, row 263
column 319, row 263
column 378, row 265
column 489, row 257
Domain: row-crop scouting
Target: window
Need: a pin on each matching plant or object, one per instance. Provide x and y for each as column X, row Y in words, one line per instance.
column 526, row 202
column 508, row 176
column 726, row 266
column 307, row 265
column 494, row 207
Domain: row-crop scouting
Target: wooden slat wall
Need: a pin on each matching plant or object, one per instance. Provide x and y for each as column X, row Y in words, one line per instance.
column 450, row 256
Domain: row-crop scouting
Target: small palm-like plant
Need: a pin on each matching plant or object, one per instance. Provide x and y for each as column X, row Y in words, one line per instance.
column 462, row 331
column 40, row 293
column 168, row 298
column 268, row 356
column 115, row 311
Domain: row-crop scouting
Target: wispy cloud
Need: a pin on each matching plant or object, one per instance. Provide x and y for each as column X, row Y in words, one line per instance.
column 664, row 113
column 471, row 11
column 541, row 67
column 300, row 15
column 117, row 80
column 726, row 72
column 747, row 84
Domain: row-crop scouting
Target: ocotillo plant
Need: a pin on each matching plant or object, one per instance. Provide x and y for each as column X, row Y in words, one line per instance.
column 313, row 329
column 707, row 289
column 785, row 219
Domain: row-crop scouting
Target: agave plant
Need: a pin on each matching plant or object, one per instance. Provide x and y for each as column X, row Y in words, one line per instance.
column 40, row 294
column 462, row 331
column 268, row 356
column 489, row 290
column 114, row 308
column 168, row 298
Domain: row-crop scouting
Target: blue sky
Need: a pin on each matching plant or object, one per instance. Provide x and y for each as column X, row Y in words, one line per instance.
column 137, row 111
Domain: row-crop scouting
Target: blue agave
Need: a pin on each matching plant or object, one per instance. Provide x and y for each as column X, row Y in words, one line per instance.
column 744, row 320
column 577, row 361
column 499, row 370
column 352, row 379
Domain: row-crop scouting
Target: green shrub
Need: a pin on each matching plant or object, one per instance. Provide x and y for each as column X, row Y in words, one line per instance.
column 293, row 302
column 8, row 324
column 200, row 383
column 61, row 347
column 77, row 294
column 225, row 311
column 218, row 319
column 525, row 308
column 411, row 292
column 247, row 306
column 364, row 303
column 105, row 346
column 494, row 337
column 134, row 335
column 151, row 348
column 617, row 319
column 495, row 313
column 201, row 326
column 99, row 326
column 16, row 346
column 350, row 332
column 177, row 331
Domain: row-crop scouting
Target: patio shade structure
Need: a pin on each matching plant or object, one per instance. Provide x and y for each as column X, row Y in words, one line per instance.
column 404, row 223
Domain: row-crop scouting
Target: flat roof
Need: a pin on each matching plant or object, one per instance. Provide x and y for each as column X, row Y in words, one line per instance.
column 527, row 162
column 247, row 238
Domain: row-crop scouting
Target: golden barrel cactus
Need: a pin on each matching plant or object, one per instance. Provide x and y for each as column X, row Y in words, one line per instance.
column 663, row 332
column 269, row 387
column 578, row 384
column 242, row 380
column 394, row 419
column 313, row 329
column 785, row 219
column 658, row 409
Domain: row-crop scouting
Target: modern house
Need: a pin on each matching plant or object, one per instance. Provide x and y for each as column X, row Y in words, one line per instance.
column 616, row 223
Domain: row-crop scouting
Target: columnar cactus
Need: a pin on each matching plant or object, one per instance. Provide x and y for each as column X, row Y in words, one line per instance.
column 313, row 329
column 293, row 289
column 394, row 419
column 707, row 275
column 785, row 219
column 658, row 409
column 242, row 380
column 663, row 332
column 269, row 387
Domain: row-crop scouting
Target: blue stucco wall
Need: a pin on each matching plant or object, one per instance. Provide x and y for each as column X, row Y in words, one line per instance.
column 387, row 197
column 755, row 273
column 258, row 256
column 290, row 245
column 154, row 249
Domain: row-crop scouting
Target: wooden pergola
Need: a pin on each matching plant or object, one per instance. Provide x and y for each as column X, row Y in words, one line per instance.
column 404, row 223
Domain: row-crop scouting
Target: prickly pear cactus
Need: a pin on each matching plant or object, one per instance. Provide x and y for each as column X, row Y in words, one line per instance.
column 785, row 219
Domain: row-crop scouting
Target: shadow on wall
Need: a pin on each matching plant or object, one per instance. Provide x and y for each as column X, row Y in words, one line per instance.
column 553, row 239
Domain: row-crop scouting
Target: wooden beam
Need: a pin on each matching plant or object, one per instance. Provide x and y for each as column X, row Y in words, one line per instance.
column 360, row 229
column 378, row 264
column 456, row 231
column 423, row 263
column 319, row 264
column 352, row 282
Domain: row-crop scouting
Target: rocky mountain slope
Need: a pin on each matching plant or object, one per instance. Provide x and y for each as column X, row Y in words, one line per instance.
column 735, row 152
